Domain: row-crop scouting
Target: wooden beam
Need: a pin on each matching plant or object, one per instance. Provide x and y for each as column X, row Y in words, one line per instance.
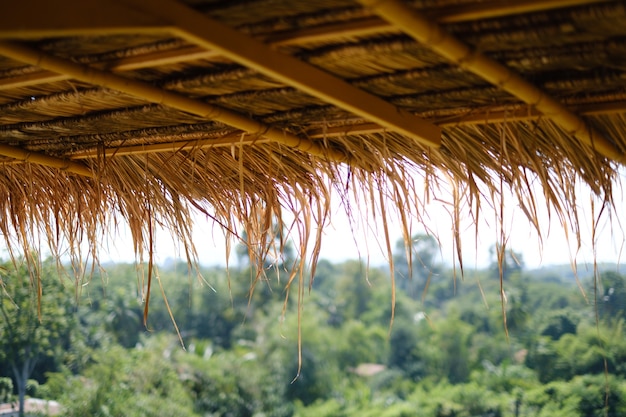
column 45, row 160
column 476, row 117
column 363, row 27
column 434, row 37
column 211, row 34
column 228, row 141
column 34, row 19
column 153, row 59
column 599, row 109
column 479, row 117
column 372, row 26
column 157, row 95
column 498, row 8
column 34, row 78
column 31, row 19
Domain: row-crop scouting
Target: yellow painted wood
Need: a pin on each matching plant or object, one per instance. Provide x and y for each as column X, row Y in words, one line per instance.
column 33, row 19
column 211, row 34
column 363, row 27
column 188, row 53
column 478, row 117
column 484, row 116
column 177, row 146
column 433, row 36
column 45, row 160
column 160, row 96
column 371, row 26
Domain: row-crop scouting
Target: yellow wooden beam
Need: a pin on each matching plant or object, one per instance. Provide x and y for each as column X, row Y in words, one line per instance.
column 434, row 37
column 160, row 96
column 238, row 139
column 31, row 19
column 34, row 19
column 362, row 27
column 25, row 155
column 498, row 8
column 476, row 117
column 211, row 34
column 372, row 26
column 479, row 116
column 153, row 59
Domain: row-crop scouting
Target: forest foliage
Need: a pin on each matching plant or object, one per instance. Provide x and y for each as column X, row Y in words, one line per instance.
column 554, row 347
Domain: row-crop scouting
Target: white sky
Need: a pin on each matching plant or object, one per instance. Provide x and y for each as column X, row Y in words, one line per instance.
column 339, row 242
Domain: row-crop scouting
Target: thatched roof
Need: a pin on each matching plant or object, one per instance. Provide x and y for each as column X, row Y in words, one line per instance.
column 143, row 111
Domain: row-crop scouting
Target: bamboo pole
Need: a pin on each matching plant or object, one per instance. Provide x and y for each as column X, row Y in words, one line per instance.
column 210, row 33
column 370, row 26
column 157, row 95
column 476, row 117
column 36, row 19
column 45, row 160
column 433, row 36
column 153, row 59
column 177, row 146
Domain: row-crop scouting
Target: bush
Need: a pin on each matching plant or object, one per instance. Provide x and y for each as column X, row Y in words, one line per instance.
column 6, row 390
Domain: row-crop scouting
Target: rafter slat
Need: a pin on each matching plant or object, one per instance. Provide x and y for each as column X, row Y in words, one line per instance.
column 174, row 56
column 372, row 26
column 211, row 34
column 25, row 155
column 228, row 141
column 362, row 27
column 33, row 19
column 433, row 36
column 475, row 117
column 157, row 95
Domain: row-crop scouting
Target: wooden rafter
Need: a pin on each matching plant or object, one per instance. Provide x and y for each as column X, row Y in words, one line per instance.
column 362, row 27
column 153, row 59
column 214, row 35
column 157, row 95
column 84, row 17
column 433, row 36
column 476, row 117
column 372, row 26
column 211, row 34
column 25, row 155
column 236, row 139
column 34, row 19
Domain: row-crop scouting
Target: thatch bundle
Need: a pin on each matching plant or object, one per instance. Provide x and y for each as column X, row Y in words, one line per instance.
column 144, row 111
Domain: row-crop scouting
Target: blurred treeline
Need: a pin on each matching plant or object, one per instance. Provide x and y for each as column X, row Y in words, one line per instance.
column 554, row 347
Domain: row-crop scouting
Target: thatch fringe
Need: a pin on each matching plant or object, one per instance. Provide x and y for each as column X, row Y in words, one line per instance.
column 154, row 165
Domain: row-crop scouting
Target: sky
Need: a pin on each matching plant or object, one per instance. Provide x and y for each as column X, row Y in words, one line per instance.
column 340, row 239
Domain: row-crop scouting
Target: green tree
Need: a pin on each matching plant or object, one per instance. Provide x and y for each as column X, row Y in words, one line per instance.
column 611, row 304
column 416, row 263
column 6, row 389
column 505, row 262
column 583, row 396
column 358, row 343
column 130, row 383
column 36, row 318
column 404, row 353
column 559, row 323
column 451, row 338
column 353, row 290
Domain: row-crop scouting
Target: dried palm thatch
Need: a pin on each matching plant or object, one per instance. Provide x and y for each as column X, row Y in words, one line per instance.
column 146, row 111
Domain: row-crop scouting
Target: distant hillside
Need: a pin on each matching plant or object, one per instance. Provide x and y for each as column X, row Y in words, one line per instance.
column 565, row 273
